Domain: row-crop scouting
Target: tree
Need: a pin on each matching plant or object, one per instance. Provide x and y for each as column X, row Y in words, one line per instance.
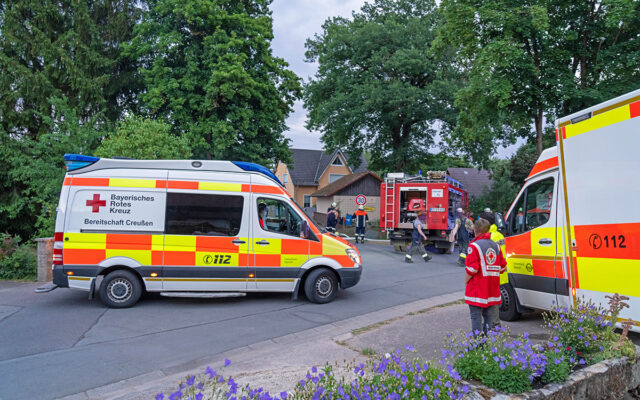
column 529, row 62
column 209, row 72
column 380, row 86
column 57, row 93
column 144, row 139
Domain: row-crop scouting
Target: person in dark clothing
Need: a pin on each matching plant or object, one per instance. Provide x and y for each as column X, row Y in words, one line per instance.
column 417, row 236
column 332, row 220
column 461, row 235
column 361, row 220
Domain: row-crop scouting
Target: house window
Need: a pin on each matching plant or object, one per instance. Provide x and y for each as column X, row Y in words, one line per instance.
column 337, row 161
column 306, row 202
column 334, row 177
column 285, row 178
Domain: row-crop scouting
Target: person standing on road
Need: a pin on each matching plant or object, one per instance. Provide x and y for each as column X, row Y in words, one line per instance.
column 332, row 219
column 417, row 236
column 483, row 266
column 361, row 220
column 461, row 234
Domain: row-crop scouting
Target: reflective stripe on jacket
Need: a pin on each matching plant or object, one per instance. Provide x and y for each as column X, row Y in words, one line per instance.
column 484, row 263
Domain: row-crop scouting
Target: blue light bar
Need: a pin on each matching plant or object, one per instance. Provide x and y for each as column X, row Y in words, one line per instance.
column 247, row 166
column 77, row 161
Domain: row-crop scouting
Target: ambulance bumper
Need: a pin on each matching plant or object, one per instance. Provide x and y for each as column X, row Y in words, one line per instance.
column 59, row 277
column 350, row 276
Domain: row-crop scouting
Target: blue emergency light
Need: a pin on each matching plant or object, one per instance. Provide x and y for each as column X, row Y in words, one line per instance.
column 247, row 166
column 77, row 161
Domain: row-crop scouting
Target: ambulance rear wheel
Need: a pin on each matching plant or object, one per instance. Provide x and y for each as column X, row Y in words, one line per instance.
column 120, row 289
column 321, row 286
column 508, row 310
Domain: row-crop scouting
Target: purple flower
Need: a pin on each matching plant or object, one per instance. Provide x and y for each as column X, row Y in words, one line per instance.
column 502, row 365
column 436, row 392
column 409, row 348
column 526, row 335
column 557, row 361
column 582, row 362
column 160, row 396
column 199, row 396
column 200, row 386
column 586, row 343
column 210, row 372
column 175, row 395
column 227, row 362
column 283, row 395
column 191, row 380
column 314, row 370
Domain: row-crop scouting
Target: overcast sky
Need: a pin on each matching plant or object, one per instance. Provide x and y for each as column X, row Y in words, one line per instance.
column 293, row 22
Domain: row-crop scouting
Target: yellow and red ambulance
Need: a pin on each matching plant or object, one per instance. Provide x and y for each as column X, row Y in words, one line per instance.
column 188, row 228
column 574, row 228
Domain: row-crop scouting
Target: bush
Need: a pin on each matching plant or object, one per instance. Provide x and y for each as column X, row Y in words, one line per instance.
column 392, row 377
column 498, row 362
column 17, row 260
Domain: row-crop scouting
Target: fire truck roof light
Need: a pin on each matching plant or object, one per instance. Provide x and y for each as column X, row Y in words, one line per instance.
column 247, row 166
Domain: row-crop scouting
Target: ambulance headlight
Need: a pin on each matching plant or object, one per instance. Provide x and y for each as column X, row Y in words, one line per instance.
column 353, row 255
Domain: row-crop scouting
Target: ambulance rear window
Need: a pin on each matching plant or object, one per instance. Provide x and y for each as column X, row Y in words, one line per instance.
column 203, row 214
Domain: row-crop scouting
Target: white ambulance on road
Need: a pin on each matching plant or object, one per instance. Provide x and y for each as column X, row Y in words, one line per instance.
column 574, row 229
column 190, row 229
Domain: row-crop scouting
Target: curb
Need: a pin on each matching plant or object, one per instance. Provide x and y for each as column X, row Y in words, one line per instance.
column 147, row 385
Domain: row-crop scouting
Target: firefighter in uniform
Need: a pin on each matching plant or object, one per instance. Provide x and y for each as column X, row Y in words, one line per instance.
column 361, row 219
column 483, row 265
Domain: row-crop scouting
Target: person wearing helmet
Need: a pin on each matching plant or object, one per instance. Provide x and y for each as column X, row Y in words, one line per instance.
column 332, row 218
column 361, row 219
column 460, row 234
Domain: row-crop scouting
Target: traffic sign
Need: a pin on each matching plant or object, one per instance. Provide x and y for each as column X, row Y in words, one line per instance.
column 361, row 200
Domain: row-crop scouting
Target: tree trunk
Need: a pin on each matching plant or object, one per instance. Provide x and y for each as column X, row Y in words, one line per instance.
column 538, row 122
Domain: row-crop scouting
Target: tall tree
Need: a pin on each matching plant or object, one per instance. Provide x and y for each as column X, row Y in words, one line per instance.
column 210, row 73
column 380, row 85
column 63, row 81
column 530, row 61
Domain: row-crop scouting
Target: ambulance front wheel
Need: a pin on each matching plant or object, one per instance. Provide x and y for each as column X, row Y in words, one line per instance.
column 508, row 310
column 321, row 286
column 120, row 289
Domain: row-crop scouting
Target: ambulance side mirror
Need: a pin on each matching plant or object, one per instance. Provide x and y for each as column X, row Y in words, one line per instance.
column 304, row 230
column 500, row 224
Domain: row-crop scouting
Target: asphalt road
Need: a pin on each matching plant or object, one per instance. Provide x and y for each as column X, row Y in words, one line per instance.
column 60, row 343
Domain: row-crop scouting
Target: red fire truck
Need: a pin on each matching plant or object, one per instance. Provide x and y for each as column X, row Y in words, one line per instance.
column 442, row 195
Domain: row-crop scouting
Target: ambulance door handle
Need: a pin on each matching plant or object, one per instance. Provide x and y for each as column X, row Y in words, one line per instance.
column 238, row 241
column 545, row 242
column 262, row 243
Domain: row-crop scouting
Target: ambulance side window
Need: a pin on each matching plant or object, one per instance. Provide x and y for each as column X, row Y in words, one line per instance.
column 538, row 206
column 516, row 218
column 278, row 217
column 203, row 214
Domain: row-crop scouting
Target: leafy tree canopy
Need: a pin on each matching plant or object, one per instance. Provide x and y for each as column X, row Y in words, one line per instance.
column 529, row 62
column 144, row 139
column 380, row 86
column 63, row 81
column 209, row 72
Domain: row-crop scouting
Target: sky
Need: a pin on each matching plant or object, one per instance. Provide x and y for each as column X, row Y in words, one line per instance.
column 293, row 22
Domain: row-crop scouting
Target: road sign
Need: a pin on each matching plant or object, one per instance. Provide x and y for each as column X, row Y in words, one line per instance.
column 361, row 200
column 369, row 209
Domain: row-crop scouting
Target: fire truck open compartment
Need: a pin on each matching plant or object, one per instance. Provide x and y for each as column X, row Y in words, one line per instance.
column 442, row 196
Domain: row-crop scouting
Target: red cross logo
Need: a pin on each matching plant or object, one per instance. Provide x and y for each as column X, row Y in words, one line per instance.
column 96, row 203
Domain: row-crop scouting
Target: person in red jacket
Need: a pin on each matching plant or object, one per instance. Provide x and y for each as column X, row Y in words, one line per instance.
column 483, row 266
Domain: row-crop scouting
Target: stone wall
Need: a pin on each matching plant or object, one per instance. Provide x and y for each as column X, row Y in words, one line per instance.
column 45, row 259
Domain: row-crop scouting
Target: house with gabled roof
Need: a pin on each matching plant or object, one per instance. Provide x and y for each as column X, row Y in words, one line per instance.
column 313, row 170
column 475, row 181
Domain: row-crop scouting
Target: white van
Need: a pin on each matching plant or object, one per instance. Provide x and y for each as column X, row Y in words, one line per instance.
column 190, row 229
column 574, row 229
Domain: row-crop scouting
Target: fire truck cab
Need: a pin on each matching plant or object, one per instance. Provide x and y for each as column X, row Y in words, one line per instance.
column 439, row 192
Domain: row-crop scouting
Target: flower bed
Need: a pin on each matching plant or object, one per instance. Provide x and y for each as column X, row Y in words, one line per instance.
column 581, row 336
